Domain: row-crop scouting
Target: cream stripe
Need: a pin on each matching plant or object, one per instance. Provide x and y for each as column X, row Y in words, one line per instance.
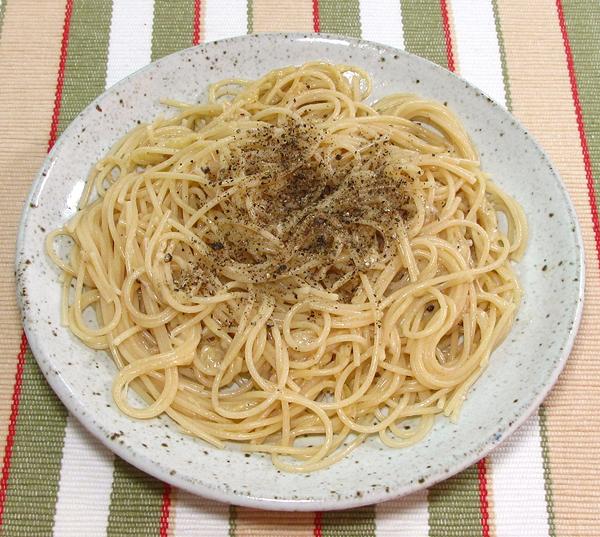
column 282, row 15
column 542, row 99
column 478, row 53
column 29, row 53
column 477, row 46
column 223, row 18
column 381, row 21
column 256, row 523
column 130, row 42
column 85, row 485
column 404, row 517
column 518, row 484
column 192, row 516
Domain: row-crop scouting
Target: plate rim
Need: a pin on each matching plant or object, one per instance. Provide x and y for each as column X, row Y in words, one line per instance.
column 146, row 463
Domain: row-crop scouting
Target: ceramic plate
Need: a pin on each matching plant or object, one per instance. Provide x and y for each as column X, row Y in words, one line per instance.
column 520, row 372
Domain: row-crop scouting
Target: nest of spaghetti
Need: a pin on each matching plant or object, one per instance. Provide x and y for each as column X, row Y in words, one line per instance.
column 292, row 269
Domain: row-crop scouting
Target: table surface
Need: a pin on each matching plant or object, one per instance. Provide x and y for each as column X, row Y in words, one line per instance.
column 539, row 58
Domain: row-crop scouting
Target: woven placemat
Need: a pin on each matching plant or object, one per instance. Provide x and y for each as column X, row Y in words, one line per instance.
column 540, row 59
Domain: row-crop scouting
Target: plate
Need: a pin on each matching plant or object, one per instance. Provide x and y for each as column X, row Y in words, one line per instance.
column 520, row 372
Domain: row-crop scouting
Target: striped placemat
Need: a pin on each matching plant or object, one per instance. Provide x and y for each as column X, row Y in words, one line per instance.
column 538, row 58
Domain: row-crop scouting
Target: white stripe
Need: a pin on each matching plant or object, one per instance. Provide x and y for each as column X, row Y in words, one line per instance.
column 517, row 481
column 193, row 516
column 85, row 484
column 477, row 46
column 223, row 18
column 381, row 21
column 404, row 517
column 130, row 44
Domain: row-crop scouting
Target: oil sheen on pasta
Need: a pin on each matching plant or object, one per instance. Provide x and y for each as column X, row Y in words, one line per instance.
column 292, row 269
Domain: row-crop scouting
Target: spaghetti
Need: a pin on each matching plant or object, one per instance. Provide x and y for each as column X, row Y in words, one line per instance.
column 292, row 269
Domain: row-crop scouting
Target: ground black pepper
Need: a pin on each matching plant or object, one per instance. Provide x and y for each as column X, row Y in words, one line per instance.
column 319, row 206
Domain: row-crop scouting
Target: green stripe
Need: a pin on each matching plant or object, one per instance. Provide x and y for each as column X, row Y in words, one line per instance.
column 85, row 71
column 454, row 506
column 232, row 520
column 250, row 16
column 583, row 22
column 344, row 18
column 2, row 10
column 134, row 501
column 173, row 27
column 35, row 465
column 507, row 97
column 547, row 476
column 424, row 30
column 340, row 17
column 351, row 523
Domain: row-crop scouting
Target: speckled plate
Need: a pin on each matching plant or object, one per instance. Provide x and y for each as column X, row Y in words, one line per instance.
column 520, row 373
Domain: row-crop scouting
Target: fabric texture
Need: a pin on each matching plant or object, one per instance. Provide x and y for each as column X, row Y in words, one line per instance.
column 539, row 59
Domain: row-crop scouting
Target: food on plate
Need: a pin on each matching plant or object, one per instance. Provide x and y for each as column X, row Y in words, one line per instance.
column 292, row 269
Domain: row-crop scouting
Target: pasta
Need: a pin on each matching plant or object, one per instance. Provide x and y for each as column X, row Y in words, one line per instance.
column 291, row 269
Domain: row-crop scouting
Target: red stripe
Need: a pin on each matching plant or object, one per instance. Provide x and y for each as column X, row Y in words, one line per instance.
column 196, row 38
column 483, row 498
column 61, row 74
column 316, row 19
column 582, row 136
column 447, row 34
column 318, row 529
column 12, row 424
column 16, row 397
column 165, row 511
